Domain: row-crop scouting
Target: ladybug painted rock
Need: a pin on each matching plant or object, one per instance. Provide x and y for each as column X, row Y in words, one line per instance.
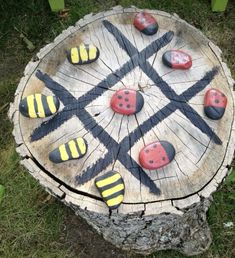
column 156, row 155
column 127, row 102
column 215, row 103
column 177, row 59
column 145, row 23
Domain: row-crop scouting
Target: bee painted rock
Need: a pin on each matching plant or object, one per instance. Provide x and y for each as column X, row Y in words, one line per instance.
column 156, row 155
column 177, row 59
column 83, row 54
column 127, row 102
column 111, row 188
column 215, row 103
column 145, row 23
column 39, row 105
column 74, row 149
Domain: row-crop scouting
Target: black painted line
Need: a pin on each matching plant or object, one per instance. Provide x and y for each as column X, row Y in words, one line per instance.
column 108, row 45
column 196, row 120
column 56, row 88
column 49, row 126
column 101, row 164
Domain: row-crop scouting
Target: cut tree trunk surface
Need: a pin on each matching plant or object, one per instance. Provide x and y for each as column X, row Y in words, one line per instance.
column 162, row 208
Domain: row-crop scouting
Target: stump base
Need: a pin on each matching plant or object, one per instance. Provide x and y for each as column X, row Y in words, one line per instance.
column 188, row 233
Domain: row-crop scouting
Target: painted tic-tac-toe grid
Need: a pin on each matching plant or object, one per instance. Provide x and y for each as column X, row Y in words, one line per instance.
column 119, row 150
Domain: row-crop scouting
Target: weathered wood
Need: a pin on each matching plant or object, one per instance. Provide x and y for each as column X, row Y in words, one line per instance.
column 145, row 220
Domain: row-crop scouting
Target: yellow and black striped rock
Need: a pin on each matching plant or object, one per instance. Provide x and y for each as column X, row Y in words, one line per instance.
column 83, row 54
column 39, row 106
column 111, row 188
column 74, row 149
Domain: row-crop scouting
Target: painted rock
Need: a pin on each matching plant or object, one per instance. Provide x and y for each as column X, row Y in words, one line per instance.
column 177, row 59
column 127, row 102
column 215, row 103
column 74, row 149
column 39, row 105
column 145, row 23
column 83, row 54
column 156, row 155
column 111, row 188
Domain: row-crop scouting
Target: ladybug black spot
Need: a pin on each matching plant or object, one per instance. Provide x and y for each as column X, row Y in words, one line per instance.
column 126, row 92
column 146, row 151
column 126, row 99
column 151, row 161
column 119, row 97
column 155, row 146
column 216, row 101
column 128, row 106
column 120, row 105
column 163, row 158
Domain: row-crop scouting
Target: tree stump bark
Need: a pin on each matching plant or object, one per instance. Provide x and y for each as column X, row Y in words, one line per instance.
column 164, row 208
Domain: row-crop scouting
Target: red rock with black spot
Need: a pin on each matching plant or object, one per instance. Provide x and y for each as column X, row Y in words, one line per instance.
column 127, row 102
column 156, row 155
column 215, row 103
column 177, row 59
column 145, row 23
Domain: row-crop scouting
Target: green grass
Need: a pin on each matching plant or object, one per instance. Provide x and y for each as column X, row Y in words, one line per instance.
column 27, row 225
column 31, row 224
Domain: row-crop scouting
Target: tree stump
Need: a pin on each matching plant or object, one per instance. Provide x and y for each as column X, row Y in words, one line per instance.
column 164, row 208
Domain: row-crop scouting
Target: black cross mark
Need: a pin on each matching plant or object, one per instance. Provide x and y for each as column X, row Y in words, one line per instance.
column 119, row 151
column 180, row 101
column 76, row 107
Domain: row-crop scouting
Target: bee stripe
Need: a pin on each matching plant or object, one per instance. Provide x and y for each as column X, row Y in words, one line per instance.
column 108, row 180
column 74, row 55
column 40, row 107
column 112, row 196
column 115, row 201
column 73, row 149
column 31, row 106
column 113, row 190
column 45, row 106
column 83, row 53
column 81, row 145
column 78, row 148
column 92, row 52
column 63, row 153
column 51, row 104
column 106, row 187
